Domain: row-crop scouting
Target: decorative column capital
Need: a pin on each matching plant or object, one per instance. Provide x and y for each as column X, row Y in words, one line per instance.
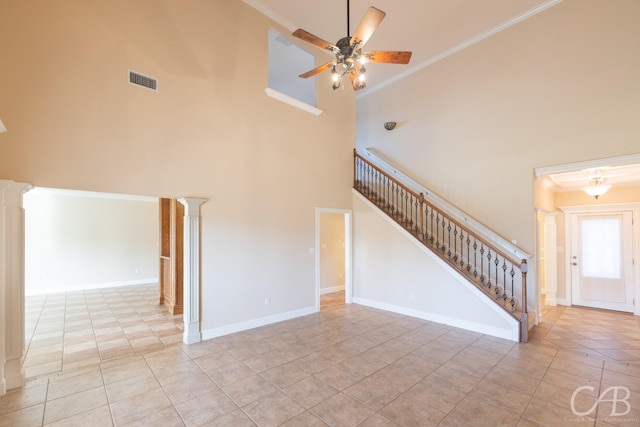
column 192, row 205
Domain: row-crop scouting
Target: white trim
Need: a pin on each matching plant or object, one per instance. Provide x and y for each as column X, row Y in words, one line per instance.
column 94, row 194
column 550, row 258
column 88, row 287
column 569, row 211
column 331, row 289
column 588, row 164
column 460, row 46
column 191, row 270
column 255, row 323
column 511, row 333
column 293, row 102
column 510, row 320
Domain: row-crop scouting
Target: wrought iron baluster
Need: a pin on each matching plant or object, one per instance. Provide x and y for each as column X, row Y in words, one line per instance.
column 461, row 248
column 504, row 282
column 496, row 289
column 489, row 268
column 455, row 243
column 468, row 254
column 512, row 301
column 475, row 259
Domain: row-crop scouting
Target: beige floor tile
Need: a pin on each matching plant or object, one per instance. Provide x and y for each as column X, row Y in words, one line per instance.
column 310, row 391
column 232, row 373
column 180, row 391
column 216, row 360
column 375, row 394
column 477, row 413
column 205, row 407
column 24, row 397
column 407, row 412
column 264, row 361
column 234, row 419
column 98, row 417
column 284, row 375
column 167, row 417
column 74, row 404
column 273, row 409
column 406, row 368
column 365, row 363
column 340, row 376
column 431, row 392
column 139, row 406
column 132, row 386
column 314, row 363
column 342, row 410
column 305, row 419
column 30, row 416
column 551, row 415
column 249, row 390
column 501, row 397
column 74, row 384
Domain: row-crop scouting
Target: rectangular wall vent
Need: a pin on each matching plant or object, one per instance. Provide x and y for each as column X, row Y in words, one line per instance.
column 142, row 80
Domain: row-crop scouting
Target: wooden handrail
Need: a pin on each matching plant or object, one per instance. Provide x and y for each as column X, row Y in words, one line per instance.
column 422, row 228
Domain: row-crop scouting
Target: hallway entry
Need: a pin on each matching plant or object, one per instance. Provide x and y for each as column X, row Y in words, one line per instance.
column 333, row 253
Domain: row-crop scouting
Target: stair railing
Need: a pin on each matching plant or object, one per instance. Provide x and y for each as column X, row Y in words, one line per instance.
column 503, row 278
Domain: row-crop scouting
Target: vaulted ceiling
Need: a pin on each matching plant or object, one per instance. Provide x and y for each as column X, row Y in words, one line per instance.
column 431, row 29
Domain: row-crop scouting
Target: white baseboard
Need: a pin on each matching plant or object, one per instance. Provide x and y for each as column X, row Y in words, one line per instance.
column 562, row 301
column 87, row 287
column 255, row 323
column 512, row 334
column 332, row 289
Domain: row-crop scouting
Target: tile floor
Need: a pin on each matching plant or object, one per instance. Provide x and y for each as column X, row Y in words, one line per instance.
column 348, row 365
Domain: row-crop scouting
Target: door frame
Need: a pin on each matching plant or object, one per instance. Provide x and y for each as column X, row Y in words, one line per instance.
column 348, row 255
column 571, row 211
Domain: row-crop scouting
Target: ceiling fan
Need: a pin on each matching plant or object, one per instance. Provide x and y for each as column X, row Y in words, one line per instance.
column 350, row 59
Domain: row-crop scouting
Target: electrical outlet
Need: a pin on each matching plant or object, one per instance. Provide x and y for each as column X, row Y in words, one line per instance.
column 267, row 300
column 412, row 294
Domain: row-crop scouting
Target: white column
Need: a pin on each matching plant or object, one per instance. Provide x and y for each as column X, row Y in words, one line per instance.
column 550, row 258
column 3, row 318
column 12, row 284
column 191, row 268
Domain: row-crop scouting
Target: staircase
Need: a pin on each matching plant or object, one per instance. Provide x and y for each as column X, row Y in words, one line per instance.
column 473, row 253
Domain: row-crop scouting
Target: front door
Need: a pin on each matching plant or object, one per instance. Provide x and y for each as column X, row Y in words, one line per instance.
column 601, row 261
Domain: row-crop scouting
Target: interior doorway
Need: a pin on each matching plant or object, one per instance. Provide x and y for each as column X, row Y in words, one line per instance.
column 333, row 255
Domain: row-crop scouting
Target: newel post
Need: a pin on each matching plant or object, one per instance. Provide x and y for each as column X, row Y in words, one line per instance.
column 191, row 262
column 524, row 321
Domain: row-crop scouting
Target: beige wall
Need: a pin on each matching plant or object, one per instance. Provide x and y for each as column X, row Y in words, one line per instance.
column 557, row 88
column 210, row 131
column 332, row 250
column 78, row 240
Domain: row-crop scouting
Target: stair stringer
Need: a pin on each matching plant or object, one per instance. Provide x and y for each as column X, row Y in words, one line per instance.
column 394, row 271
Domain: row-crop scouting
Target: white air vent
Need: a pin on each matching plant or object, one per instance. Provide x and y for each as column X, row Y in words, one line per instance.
column 142, row 80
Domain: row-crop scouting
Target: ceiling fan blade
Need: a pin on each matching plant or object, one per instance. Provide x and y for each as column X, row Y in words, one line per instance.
column 369, row 23
column 316, row 70
column 315, row 40
column 388, row 57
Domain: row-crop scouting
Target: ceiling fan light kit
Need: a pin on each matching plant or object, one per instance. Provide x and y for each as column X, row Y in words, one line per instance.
column 349, row 59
